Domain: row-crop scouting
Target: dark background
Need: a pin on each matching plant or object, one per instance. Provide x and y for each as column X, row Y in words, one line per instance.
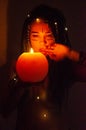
column 16, row 12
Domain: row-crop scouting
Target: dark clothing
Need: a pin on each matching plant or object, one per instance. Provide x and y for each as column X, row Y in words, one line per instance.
column 39, row 104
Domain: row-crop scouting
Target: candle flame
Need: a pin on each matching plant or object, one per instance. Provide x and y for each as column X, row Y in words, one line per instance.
column 31, row 50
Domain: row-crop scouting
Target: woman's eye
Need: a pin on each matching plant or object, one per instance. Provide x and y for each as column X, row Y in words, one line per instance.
column 50, row 36
column 34, row 35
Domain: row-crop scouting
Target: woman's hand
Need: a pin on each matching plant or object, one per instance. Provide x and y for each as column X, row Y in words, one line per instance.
column 56, row 52
column 59, row 52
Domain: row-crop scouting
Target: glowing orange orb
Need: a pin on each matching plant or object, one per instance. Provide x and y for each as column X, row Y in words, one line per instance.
column 32, row 67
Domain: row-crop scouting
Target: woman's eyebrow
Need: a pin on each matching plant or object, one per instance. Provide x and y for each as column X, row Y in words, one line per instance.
column 48, row 32
column 34, row 32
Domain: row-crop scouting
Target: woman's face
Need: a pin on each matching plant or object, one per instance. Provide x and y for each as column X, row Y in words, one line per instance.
column 41, row 36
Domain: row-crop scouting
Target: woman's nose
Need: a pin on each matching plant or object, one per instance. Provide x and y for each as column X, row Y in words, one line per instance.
column 43, row 39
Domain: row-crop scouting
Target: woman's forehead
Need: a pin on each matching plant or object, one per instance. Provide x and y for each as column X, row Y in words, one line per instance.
column 39, row 25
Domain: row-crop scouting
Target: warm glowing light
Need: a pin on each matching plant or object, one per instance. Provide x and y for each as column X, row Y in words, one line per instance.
column 45, row 115
column 66, row 29
column 28, row 15
column 38, row 97
column 37, row 20
column 32, row 66
column 55, row 23
column 31, row 50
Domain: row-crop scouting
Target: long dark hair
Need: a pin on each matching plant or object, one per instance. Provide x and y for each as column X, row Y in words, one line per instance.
column 54, row 18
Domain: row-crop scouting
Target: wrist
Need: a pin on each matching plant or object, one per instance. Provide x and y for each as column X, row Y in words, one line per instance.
column 74, row 55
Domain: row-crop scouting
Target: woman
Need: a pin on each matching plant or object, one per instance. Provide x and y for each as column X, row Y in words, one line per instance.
column 39, row 104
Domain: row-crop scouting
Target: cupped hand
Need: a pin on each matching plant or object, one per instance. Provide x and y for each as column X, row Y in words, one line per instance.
column 56, row 52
